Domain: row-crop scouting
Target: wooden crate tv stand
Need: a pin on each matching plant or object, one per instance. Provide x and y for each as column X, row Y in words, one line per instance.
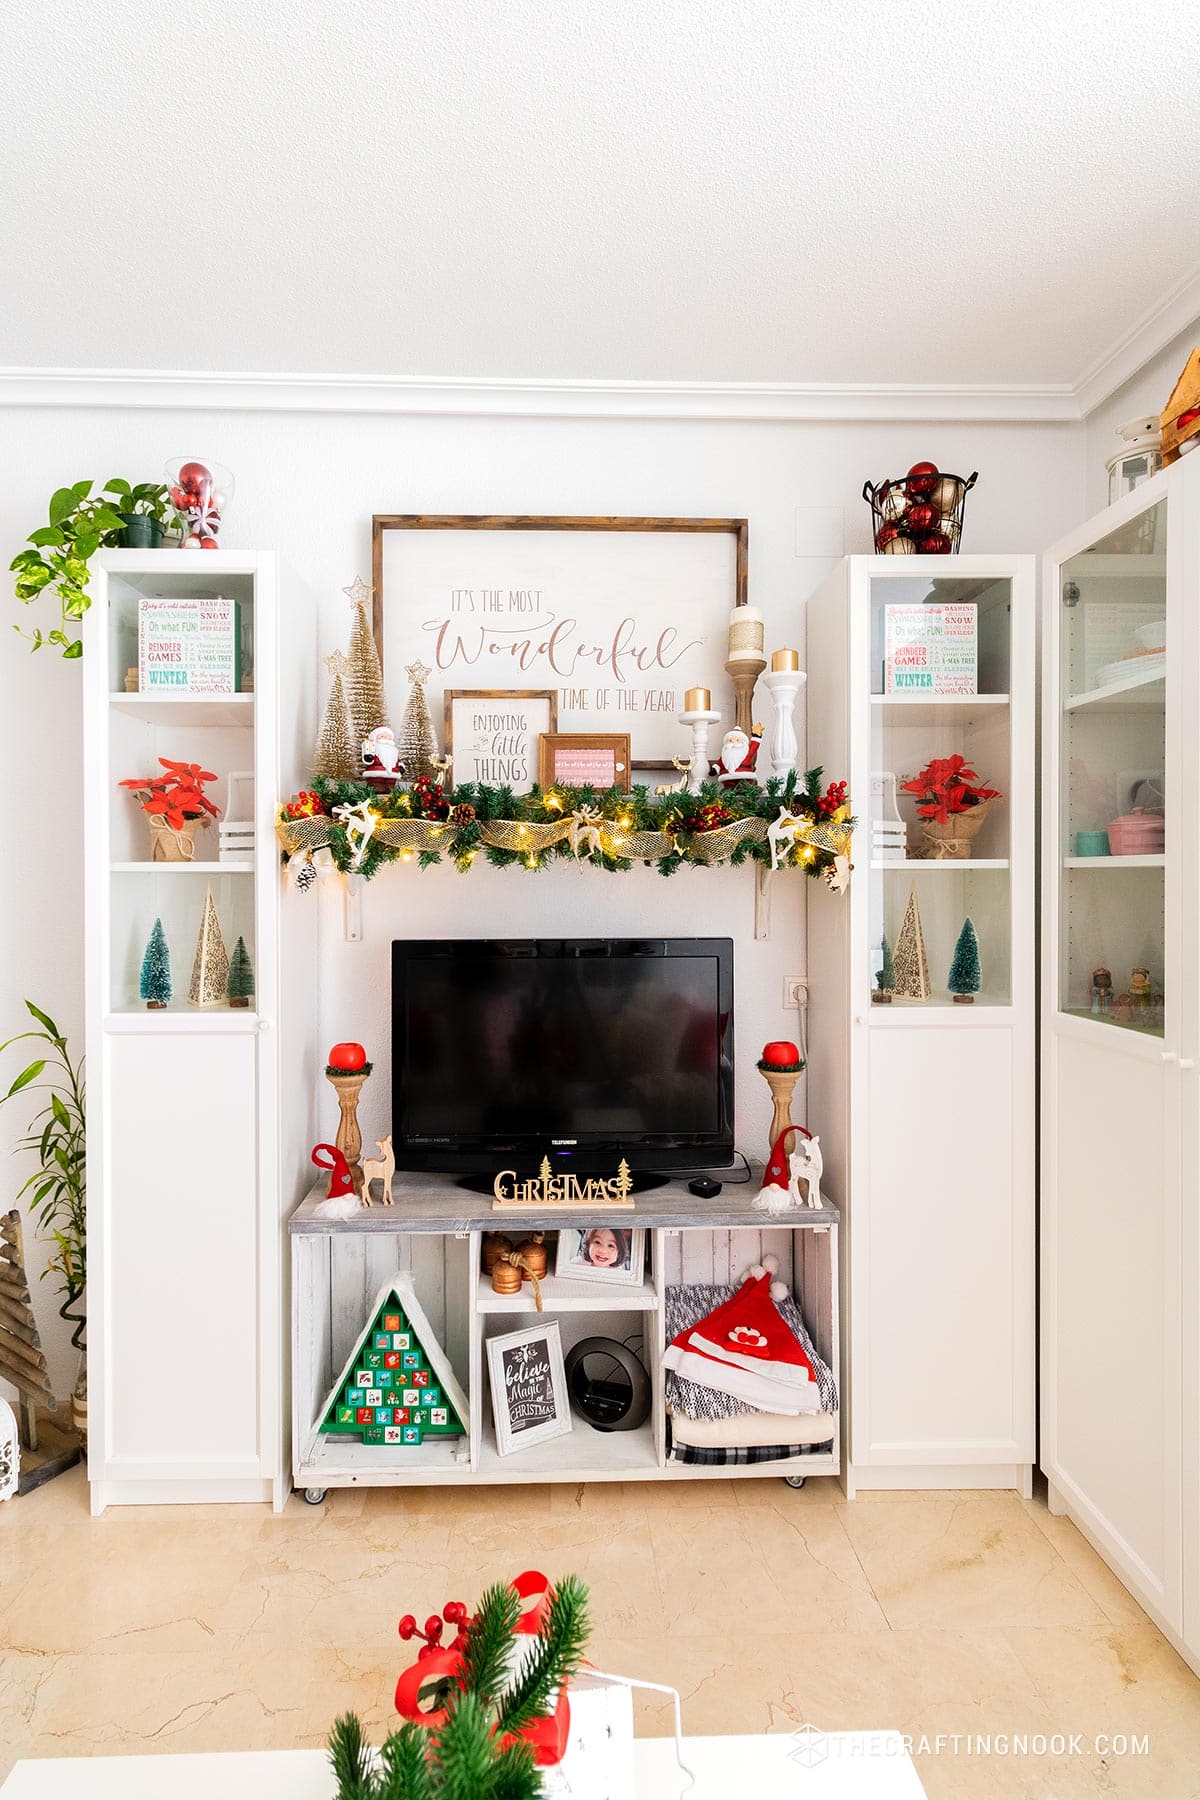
column 433, row 1233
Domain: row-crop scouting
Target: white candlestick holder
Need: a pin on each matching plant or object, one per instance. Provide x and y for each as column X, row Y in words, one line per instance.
column 783, row 685
column 701, row 724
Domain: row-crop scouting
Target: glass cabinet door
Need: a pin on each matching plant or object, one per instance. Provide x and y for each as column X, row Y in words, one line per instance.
column 1113, row 646
column 941, row 800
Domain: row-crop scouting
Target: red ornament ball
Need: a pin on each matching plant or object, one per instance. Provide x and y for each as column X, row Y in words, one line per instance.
column 884, row 536
column 1186, row 418
column 923, row 517
column 193, row 476
column 179, row 498
column 935, row 544
column 921, row 480
column 781, row 1055
column 209, row 543
column 349, row 1057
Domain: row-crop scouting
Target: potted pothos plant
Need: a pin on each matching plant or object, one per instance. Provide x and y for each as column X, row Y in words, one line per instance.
column 58, row 1185
column 80, row 523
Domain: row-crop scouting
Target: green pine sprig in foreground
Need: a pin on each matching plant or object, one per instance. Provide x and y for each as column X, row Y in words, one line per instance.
column 467, row 1758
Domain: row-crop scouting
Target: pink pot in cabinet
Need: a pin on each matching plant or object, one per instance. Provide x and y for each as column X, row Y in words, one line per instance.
column 1137, row 833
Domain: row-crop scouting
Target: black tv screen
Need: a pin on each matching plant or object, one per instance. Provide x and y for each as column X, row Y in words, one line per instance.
column 583, row 1050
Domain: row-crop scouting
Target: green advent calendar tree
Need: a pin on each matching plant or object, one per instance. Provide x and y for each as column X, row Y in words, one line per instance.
column 965, row 978
column 154, row 983
column 397, row 1386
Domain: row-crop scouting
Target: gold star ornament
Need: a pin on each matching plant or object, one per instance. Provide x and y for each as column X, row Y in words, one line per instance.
column 359, row 591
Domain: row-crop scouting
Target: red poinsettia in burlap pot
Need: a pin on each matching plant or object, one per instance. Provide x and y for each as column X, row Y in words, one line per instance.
column 951, row 806
column 176, row 807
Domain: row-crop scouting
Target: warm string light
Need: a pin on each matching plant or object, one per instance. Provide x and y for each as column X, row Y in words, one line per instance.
column 553, row 802
column 406, row 856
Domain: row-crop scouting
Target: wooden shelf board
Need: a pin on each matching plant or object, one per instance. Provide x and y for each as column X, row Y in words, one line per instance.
column 586, row 1455
column 946, row 862
column 425, row 1202
column 334, row 1460
column 1156, row 861
column 182, row 868
column 1149, row 1032
column 133, row 1019
column 200, row 709
column 1133, row 693
column 939, row 700
column 560, row 1294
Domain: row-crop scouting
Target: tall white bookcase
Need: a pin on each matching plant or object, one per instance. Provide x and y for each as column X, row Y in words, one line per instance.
column 199, row 1121
column 1120, row 1317
column 926, row 1109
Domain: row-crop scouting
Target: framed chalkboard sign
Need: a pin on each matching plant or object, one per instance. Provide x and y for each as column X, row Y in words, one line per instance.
column 530, row 1404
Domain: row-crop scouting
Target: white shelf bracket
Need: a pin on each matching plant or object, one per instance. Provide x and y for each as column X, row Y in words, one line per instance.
column 762, row 901
column 352, row 904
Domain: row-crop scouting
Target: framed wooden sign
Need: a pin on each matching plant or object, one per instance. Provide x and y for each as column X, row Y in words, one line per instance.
column 618, row 616
column 530, row 1403
column 584, row 759
column 493, row 733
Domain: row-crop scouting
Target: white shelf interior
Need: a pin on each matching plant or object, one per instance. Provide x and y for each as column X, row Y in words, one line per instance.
column 890, row 865
column 1132, row 692
column 194, row 710
column 195, row 867
column 585, row 1455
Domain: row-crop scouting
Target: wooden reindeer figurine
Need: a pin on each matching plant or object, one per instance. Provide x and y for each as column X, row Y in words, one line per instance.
column 384, row 1166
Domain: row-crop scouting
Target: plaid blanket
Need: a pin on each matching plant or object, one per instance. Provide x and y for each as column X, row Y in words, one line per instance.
column 730, row 1455
column 686, row 1306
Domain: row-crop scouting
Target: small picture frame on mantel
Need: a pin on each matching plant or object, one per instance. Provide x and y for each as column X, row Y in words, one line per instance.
column 530, row 1402
column 493, row 734
column 579, row 759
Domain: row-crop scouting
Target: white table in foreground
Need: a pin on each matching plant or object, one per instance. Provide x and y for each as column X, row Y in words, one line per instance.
column 841, row 1765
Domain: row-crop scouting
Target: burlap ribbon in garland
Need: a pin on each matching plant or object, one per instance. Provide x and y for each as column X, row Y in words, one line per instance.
column 533, row 840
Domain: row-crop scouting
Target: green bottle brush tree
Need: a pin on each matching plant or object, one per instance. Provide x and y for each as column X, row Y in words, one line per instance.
column 965, row 978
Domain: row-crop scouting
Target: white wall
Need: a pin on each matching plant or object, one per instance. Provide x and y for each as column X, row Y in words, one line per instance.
column 1146, row 392
column 308, row 485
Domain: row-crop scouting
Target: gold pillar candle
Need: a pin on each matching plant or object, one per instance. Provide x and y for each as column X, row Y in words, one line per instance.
column 785, row 659
column 697, row 700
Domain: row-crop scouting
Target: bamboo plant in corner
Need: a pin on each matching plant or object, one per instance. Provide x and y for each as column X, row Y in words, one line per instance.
column 58, row 1185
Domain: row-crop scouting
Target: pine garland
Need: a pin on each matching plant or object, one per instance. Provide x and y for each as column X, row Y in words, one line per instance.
column 688, row 820
column 467, row 1757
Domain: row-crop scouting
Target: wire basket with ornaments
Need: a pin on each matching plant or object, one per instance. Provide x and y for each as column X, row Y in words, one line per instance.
column 918, row 514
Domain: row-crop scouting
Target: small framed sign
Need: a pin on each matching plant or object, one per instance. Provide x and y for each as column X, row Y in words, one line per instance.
column 530, row 1404
column 585, row 759
column 493, row 734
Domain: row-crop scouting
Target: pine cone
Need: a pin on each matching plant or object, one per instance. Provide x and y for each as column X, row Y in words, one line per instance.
column 464, row 813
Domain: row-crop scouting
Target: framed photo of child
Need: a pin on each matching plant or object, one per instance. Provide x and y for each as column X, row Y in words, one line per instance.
column 612, row 1254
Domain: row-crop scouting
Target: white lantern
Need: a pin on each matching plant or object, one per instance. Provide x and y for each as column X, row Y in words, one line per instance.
column 10, row 1451
column 1138, row 459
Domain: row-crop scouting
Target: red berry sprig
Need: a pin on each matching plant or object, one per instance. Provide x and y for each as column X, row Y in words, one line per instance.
column 712, row 817
column 832, row 799
column 453, row 1613
column 429, row 802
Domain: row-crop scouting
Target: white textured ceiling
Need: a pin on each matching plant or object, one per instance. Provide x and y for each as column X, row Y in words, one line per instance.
column 709, row 190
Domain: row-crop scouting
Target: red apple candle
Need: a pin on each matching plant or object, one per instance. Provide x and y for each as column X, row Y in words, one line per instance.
column 346, row 1072
column 347, row 1059
column 782, row 1066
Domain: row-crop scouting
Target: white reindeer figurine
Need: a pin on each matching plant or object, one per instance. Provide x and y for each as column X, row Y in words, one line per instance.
column 782, row 831
column 385, row 1167
column 805, row 1161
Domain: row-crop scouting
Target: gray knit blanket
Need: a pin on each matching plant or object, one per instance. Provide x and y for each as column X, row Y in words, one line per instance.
column 686, row 1306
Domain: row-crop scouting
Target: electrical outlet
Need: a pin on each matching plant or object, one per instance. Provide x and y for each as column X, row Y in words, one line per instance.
column 795, row 990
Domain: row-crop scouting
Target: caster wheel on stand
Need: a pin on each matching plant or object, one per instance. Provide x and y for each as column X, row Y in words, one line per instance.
column 795, row 1481
column 315, row 1496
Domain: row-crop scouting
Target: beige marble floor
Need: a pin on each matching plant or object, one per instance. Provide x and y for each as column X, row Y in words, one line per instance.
column 225, row 1628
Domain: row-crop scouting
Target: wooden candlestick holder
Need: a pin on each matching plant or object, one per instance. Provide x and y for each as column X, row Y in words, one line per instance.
column 743, row 672
column 782, row 1083
column 348, row 1086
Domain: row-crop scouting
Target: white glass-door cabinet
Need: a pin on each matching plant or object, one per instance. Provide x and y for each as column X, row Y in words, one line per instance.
column 198, row 1119
column 1121, row 1040
column 922, row 1013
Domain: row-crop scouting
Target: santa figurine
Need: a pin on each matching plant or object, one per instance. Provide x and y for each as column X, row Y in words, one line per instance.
column 735, row 767
column 381, row 757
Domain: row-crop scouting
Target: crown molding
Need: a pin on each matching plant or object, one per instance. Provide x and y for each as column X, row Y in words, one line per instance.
column 1178, row 308
column 731, row 402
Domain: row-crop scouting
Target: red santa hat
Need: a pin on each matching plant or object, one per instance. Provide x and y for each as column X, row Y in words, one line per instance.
column 747, row 1349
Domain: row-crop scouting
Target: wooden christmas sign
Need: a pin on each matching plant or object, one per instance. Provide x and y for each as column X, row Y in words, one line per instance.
column 21, row 1359
column 547, row 1189
column 397, row 1386
column 910, row 963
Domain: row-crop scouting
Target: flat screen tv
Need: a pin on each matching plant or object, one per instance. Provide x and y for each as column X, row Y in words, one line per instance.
column 583, row 1050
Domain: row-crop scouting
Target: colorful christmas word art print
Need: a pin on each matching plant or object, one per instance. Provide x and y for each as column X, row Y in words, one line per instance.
column 397, row 1386
column 188, row 646
column 931, row 649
